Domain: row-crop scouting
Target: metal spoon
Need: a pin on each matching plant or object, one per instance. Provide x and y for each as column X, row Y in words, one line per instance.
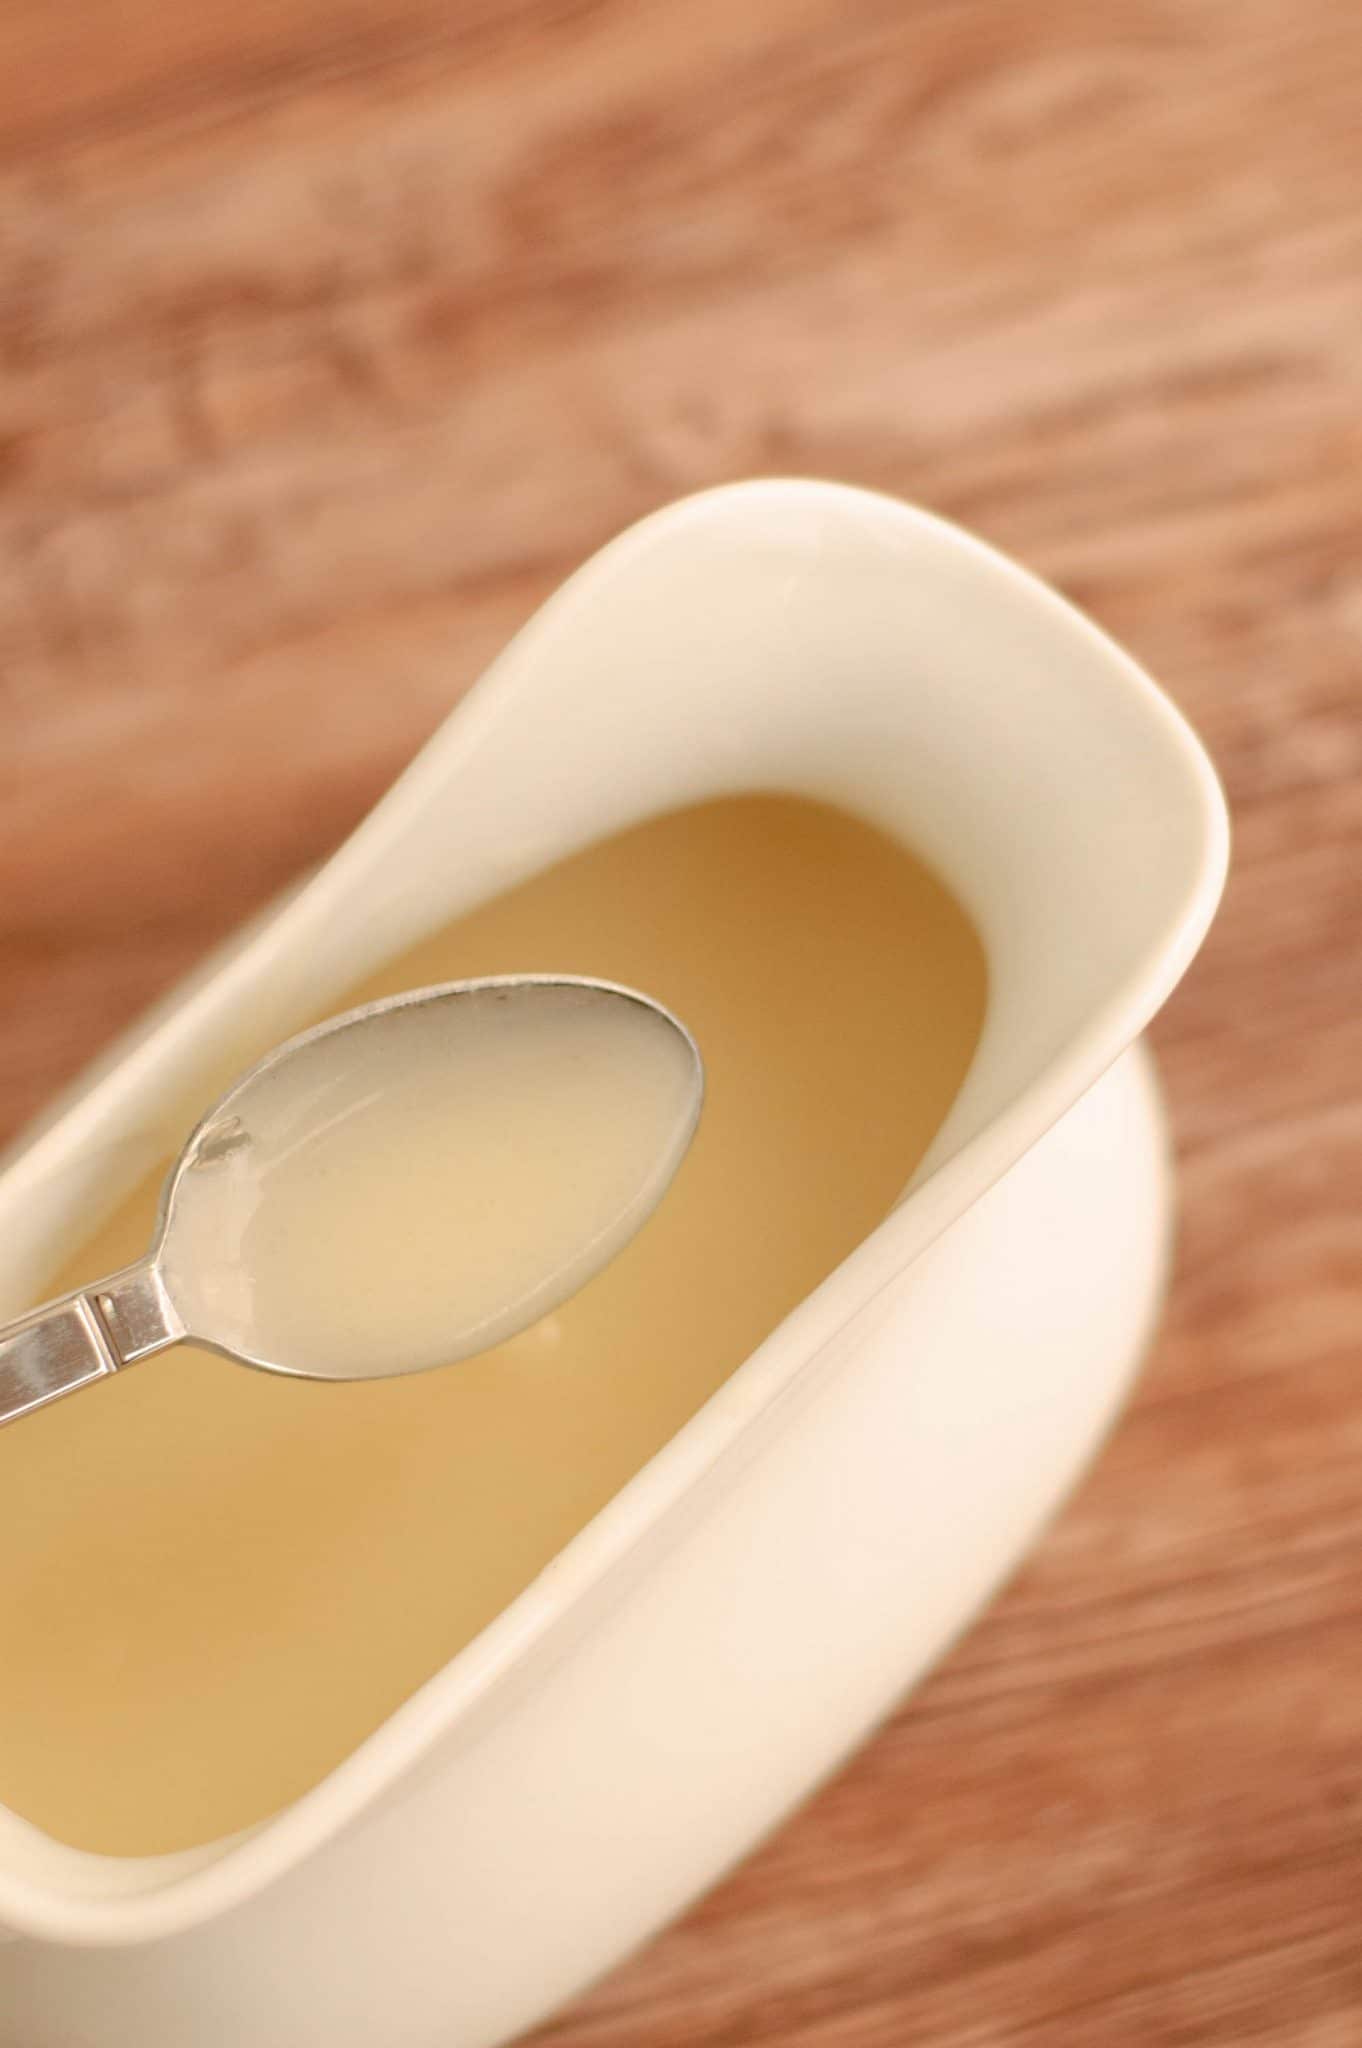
column 254, row 1258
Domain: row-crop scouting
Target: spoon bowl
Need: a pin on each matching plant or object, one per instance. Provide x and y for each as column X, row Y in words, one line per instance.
column 398, row 1188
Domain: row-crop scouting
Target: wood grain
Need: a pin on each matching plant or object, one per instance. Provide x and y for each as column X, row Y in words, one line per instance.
column 332, row 332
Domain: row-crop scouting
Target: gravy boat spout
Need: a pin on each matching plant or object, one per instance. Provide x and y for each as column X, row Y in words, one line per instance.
column 765, row 1588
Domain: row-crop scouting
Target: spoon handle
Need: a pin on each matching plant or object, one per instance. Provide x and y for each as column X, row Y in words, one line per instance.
column 84, row 1336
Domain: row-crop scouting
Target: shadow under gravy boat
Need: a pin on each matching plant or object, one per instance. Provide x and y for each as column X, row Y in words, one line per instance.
column 763, row 1590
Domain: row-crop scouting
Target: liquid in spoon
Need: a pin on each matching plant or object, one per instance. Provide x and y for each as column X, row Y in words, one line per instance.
column 413, row 1184
column 396, row 1189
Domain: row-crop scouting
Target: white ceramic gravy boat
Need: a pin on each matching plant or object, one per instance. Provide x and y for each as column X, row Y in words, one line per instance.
column 766, row 1587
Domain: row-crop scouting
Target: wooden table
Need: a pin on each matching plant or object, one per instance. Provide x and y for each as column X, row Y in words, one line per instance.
column 332, row 332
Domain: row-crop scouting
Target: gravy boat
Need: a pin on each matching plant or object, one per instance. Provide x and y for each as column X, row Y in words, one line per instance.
column 765, row 1588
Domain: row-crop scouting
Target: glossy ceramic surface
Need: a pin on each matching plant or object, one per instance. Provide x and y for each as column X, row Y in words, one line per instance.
column 764, row 1590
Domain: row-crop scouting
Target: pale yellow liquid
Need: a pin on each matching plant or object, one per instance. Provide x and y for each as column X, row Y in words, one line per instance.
column 215, row 1582
column 422, row 1181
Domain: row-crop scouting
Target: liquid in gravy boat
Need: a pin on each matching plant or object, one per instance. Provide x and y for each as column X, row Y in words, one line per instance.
column 765, row 1588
